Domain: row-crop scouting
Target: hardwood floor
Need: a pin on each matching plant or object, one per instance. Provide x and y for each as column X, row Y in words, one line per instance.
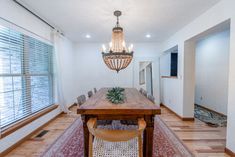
column 202, row 140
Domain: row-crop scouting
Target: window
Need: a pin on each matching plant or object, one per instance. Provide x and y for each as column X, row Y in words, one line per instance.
column 169, row 63
column 174, row 64
column 26, row 76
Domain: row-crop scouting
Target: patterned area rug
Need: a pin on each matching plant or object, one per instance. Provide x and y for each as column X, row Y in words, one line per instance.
column 165, row 142
column 69, row 144
column 209, row 117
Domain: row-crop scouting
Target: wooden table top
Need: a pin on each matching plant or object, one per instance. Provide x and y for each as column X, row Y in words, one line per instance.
column 135, row 103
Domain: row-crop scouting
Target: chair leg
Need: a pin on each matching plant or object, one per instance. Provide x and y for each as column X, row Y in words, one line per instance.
column 140, row 146
column 90, row 145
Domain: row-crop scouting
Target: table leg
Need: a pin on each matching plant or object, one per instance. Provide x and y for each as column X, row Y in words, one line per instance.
column 148, row 137
column 86, row 136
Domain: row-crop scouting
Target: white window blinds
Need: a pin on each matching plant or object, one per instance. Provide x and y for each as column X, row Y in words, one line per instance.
column 26, row 76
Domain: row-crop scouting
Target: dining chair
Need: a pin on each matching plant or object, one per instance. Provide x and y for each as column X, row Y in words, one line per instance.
column 115, row 135
column 151, row 98
column 95, row 90
column 128, row 122
column 81, row 99
column 90, row 93
column 144, row 93
column 141, row 90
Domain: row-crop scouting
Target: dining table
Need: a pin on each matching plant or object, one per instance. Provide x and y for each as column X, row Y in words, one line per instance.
column 135, row 106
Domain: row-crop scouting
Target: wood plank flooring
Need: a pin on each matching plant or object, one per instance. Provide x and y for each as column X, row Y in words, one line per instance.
column 202, row 140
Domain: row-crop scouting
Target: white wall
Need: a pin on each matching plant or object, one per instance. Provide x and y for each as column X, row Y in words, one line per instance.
column 165, row 64
column 170, row 94
column 212, row 62
column 92, row 72
column 170, row 87
column 27, row 23
column 219, row 13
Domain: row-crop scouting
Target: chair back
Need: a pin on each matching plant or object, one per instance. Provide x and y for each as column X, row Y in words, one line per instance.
column 90, row 93
column 151, row 98
column 144, row 93
column 115, row 135
column 95, row 90
column 81, row 100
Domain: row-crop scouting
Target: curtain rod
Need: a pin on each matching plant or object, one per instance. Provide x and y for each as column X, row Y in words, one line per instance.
column 24, row 28
column 44, row 21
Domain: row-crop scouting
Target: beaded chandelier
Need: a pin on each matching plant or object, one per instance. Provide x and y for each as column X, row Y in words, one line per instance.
column 118, row 56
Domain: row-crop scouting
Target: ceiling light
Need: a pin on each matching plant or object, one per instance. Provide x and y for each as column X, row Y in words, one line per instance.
column 117, row 56
column 148, row 36
column 88, row 36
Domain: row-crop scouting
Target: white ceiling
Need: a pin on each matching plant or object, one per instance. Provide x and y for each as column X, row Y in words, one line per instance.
column 160, row 18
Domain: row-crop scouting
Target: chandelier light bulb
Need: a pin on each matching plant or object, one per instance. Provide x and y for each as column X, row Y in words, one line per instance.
column 103, row 48
column 130, row 48
column 110, row 45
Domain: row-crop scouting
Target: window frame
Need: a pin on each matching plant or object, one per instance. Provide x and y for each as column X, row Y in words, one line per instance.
column 25, row 74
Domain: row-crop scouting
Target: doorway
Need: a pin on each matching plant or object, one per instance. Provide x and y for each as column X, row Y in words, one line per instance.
column 146, row 76
column 206, row 66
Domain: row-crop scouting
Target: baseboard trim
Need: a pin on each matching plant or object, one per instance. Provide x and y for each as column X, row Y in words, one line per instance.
column 5, row 152
column 229, row 152
column 182, row 118
column 187, row 118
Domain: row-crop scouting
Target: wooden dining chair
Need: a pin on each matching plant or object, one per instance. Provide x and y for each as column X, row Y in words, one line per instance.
column 115, row 135
column 144, row 93
column 151, row 98
column 141, row 90
column 81, row 100
column 95, row 90
column 128, row 122
column 90, row 93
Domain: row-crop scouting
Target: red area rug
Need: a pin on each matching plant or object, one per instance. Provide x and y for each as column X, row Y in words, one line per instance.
column 70, row 143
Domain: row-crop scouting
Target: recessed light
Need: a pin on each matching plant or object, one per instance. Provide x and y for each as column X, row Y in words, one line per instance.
column 88, row 36
column 148, row 36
